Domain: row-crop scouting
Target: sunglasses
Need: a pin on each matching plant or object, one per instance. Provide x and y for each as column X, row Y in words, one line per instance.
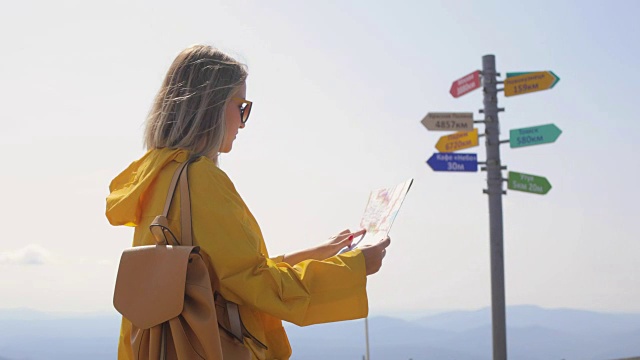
column 245, row 108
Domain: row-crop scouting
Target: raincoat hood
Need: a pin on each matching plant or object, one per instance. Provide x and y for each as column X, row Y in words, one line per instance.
column 128, row 189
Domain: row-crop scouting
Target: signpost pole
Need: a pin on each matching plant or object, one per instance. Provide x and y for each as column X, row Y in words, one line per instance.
column 366, row 334
column 447, row 159
column 494, row 191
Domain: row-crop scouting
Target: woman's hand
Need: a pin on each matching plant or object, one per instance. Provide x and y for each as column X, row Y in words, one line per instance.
column 326, row 250
column 338, row 242
column 373, row 255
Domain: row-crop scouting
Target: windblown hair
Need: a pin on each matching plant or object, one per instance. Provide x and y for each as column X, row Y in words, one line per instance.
column 189, row 110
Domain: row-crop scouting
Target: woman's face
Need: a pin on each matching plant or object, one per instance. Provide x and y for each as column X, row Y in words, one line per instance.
column 232, row 118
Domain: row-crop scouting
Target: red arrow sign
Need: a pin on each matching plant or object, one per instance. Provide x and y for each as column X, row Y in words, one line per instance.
column 465, row 84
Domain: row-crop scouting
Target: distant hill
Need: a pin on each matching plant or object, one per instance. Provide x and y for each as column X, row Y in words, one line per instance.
column 534, row 333
column 31, row 335
column 527, row 315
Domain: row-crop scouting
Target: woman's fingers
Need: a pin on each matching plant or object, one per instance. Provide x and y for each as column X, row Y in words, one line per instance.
column 343, row 239
column 347, row 233
column 346, row 236
column 374, row 254
column 384, row 242
column 344, row 232
column 359, row 233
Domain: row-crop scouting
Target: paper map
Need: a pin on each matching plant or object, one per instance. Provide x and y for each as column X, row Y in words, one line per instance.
column 382, row 208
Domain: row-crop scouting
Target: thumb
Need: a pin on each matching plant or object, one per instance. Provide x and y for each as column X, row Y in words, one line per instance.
column 384, row 243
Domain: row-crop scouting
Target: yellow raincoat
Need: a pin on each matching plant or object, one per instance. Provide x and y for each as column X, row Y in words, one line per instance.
column 266, row 289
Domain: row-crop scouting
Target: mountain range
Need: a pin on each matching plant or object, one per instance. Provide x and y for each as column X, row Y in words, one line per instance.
column 533, row 333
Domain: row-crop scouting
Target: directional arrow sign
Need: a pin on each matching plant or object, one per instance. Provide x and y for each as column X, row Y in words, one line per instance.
column 465, row 84
column 528, row 183
column 453, row 162
column 534, row 135
column 444, row 121
column 529, row 82
column 458, row 141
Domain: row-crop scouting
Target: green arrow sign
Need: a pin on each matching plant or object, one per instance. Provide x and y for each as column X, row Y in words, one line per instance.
column 534, row 135
column 528, row 183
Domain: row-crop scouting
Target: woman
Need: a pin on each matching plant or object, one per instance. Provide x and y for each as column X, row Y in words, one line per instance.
column 198, row 112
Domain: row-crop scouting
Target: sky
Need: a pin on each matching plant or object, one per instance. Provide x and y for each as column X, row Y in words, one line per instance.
column 339, row 89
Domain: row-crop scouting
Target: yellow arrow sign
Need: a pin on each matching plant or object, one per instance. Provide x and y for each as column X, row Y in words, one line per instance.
column 529, row 82
column 458, row 141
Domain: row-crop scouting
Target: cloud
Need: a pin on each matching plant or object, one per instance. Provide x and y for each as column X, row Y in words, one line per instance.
column 28, row 255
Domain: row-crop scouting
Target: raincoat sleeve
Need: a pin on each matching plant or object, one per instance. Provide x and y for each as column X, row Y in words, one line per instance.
column 307, row 293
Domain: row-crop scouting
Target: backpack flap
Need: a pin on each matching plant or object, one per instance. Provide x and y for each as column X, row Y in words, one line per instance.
column 150, row 285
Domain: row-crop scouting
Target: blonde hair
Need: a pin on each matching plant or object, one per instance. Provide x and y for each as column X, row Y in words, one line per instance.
column 189, row 110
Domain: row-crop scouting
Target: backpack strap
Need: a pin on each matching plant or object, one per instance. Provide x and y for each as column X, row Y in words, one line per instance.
column 160, row 225
column 185, row 207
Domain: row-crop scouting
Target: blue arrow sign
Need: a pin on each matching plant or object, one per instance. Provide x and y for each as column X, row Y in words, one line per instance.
column 453, row 162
